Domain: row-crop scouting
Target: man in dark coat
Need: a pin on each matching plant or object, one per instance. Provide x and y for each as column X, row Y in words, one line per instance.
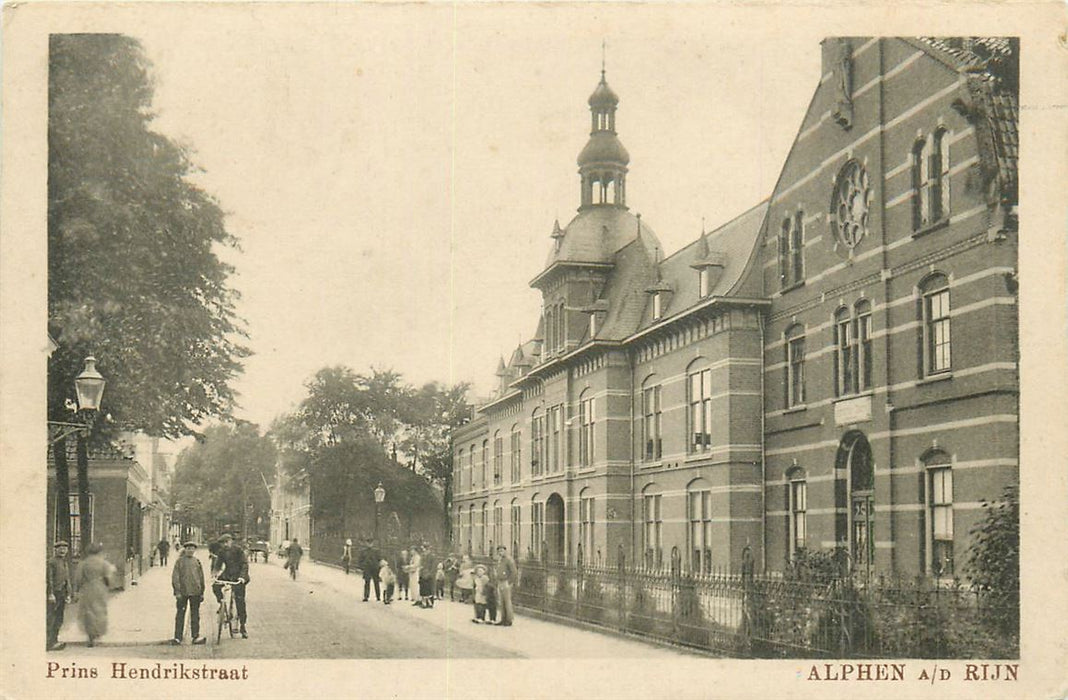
column 57, row 583
column 164, row 548
column 368, row 562
column 231, row 564
column 187, row 582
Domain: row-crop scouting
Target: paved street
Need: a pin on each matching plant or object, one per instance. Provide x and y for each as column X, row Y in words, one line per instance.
column 321, row 616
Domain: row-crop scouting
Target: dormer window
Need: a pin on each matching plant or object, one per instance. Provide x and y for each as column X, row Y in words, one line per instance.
column 703, row 286
column 593, row 325
column 657, row 306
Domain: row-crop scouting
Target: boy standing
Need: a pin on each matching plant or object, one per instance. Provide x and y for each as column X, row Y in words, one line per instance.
column 187, row 580
column 57, row 581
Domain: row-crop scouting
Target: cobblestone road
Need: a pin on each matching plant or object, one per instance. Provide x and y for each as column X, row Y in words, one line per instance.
column 321, row 616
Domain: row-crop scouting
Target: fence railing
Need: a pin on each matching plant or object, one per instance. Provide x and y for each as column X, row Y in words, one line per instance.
column 773, row 615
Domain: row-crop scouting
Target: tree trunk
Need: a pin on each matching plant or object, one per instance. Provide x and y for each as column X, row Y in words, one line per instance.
column 85, row 518
column 59, row 452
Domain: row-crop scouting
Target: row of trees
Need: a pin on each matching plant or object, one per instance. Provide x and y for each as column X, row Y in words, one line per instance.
column 133, row 272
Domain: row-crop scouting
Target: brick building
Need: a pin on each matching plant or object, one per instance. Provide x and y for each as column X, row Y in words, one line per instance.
column 790, row 379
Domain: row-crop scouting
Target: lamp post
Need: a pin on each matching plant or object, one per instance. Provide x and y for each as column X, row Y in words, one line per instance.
column 89, row 387
column 380, row 497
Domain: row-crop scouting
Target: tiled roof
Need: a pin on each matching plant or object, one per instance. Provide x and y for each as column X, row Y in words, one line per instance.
column 596, row 234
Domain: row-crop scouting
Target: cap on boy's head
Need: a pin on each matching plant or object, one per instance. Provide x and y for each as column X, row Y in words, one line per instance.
column 61, row 543
column 502, row 548
column 190, row 543
column 226, row 537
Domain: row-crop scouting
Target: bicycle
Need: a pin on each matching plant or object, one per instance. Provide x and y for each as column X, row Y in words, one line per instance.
column 226, row 614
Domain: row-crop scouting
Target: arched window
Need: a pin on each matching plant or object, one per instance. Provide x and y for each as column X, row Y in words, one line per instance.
column 920, row 206
column 658, row 306
column 843, row 354
column 797, row 506
column 537, row 525
column 461, row 478
column 483, row 461
column 586, row 428
column 652, row 526
column 704, row 285
column 651, row 419
column 482, row 521
column 784, row 254
column 795, row 366
column 498, row 457
column 797, row 248
column 498, row 526
column 470, row 528
column 930, row 180
column 587, row 519
column 939, row 485
column 935, row 320
column 516, row 531
column 516, row 454
column 939, row 175
column 555, row 427
column 613, row 192
column 699, row 513
column 537, row 441
column 853, row 349
column 862, row 337
column 699, row 402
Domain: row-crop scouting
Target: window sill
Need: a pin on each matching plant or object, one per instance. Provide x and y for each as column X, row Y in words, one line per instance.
column 698, row 456
column 931, row 228
column 651, row 465
column 847, row 397
column 935, row 378
column 587, row 470
column 792, row 287
column 799, row 408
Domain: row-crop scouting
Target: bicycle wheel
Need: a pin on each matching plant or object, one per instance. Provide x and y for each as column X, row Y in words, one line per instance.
column 221, row 617
column 232, row 618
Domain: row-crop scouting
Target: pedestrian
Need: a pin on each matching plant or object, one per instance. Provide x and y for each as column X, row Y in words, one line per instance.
column 187, row 583
column 293, row 554
column 452, row 570
column 402, row 575
column 415, row 561
column 439, row 581
column 346, row 556
column 95, row 577
column 368, row 563
column 389, row 581
column 164, row 548
column 491, row 595
column 465, row 580
column 57, row 584
column 506, row 575
column 426, row 577
column 481, row 580
column 177, row 545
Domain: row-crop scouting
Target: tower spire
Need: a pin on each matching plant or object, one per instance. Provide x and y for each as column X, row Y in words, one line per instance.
column 604, row 53
column 603, row 162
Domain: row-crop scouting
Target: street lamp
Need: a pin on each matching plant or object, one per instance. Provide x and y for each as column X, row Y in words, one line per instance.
column 89, row 387
column 380, row 497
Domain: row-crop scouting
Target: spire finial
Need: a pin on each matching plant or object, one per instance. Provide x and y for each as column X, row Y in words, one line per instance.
column 604, row 53
column 702, row 225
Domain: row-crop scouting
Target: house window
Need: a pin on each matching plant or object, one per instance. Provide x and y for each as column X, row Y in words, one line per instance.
column 462, row 469
column 470, row 527
column 657, row 306
column 939, row 176
column 798, row 507
column 784, row 254
column 586, row 520
column 498, row 518
column 76, row 523
column 537, row 442
column 940, row 514
column 920, row 207
column 853, row 349
column 561, row 328
column 498, row 457
column 651, row 423
column 537, row 527
column 797, row 248
column 516, row 454
column 586, row 422
column 930, row 180
column 699, row 387
column 795, row 366
column 702, row 282
column 653, row 531
column 483, row 521
column 700, row 514
column 555, row 442
column 517, row 525
column 936, row 354
column 483, row 461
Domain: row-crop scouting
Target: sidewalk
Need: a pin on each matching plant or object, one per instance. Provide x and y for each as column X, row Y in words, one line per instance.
column 527, row 637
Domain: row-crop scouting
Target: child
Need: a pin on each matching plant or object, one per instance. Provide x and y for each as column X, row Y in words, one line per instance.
column 481, row 581
column 491, row 599
column 439, row 581
column 388, row 580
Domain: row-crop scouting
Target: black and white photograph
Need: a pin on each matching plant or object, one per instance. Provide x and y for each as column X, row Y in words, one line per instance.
column 427, row 350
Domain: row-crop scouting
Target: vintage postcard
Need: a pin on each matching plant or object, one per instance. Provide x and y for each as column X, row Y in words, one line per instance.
column 599, row 350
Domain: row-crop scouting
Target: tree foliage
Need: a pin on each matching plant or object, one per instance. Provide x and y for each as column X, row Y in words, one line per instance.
column 133, row 275
column 993, row 564
column 220, row 479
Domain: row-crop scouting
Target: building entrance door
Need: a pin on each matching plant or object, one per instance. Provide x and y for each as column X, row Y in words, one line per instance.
column 855, row 459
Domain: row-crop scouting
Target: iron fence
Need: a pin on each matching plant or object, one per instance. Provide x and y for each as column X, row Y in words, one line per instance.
column 775, row 615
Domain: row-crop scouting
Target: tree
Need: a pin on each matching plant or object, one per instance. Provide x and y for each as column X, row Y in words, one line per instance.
column 993, row 565
column 221, row 479
column 133, row 275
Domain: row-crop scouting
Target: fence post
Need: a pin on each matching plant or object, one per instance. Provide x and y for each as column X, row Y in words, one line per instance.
column 747, row 597
column 676, row 566
column 578, row 579
column 621, row 564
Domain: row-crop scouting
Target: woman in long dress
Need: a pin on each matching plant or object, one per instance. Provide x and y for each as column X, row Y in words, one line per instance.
column 94, row 579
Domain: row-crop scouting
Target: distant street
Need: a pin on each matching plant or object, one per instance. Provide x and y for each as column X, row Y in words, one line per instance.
column 321, row 616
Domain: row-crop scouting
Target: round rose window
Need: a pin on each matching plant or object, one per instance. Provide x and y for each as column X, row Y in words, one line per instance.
column 850, row 204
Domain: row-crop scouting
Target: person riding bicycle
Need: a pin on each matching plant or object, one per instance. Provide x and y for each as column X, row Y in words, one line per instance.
column 231, row 566
column 293, row 555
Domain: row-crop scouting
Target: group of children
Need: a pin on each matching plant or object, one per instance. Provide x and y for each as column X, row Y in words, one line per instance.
column 472, row 580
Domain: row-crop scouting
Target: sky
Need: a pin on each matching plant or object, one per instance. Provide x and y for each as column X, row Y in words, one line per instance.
column 393, row 172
